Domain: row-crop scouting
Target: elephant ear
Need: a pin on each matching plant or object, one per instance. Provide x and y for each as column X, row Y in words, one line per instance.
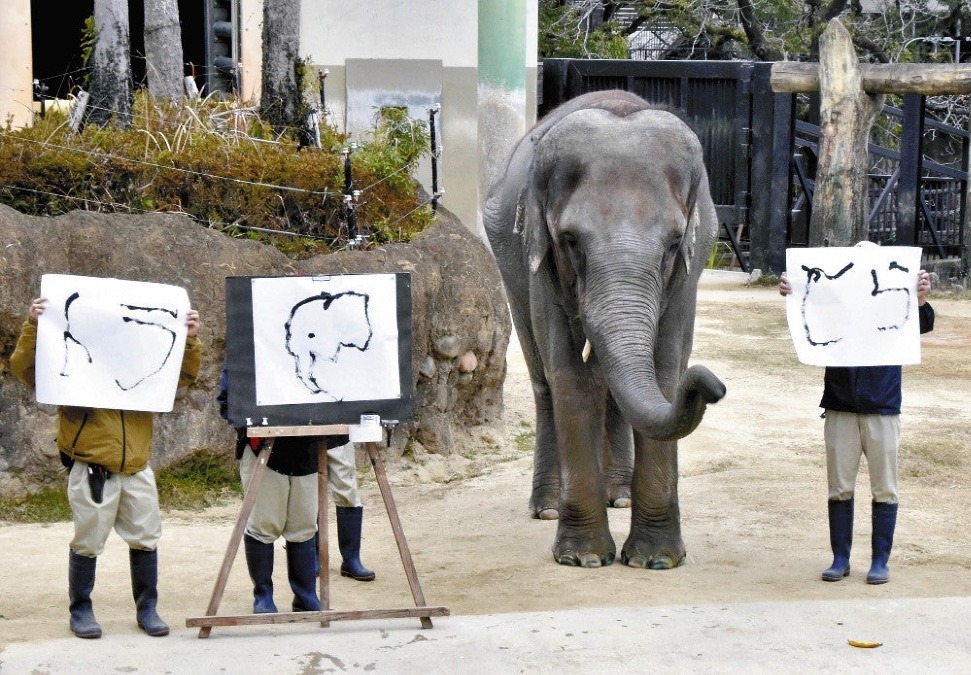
column 531, row 221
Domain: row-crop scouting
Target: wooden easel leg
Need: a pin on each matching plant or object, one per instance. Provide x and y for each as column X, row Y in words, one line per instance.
column 322, row 531
column 233, row 548
column 373, row 451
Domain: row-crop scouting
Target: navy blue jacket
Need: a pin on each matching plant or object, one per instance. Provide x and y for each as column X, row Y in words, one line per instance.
column 869, row 390
column 292, row 455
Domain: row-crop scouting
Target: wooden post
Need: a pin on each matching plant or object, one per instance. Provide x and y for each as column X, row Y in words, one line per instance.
column 233, row 547
column 925, row 79
column 323, row 555
column 840, row 213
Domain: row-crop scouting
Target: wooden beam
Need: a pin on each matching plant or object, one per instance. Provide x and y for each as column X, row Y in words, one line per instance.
column 929, row 79
column 323, row 616
column 306, row 430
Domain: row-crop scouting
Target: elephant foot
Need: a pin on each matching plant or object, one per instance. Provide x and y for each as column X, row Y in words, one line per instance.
column 581, row 551
column 618, row 492
column 545, row 507
column 652, row 555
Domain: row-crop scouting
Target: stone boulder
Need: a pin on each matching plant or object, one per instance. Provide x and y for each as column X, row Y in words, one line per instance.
column 460, row 324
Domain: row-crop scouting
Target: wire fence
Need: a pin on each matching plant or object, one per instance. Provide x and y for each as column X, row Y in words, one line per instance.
column 225, row 123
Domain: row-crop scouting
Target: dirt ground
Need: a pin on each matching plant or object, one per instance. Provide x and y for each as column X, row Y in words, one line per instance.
column 752, row 492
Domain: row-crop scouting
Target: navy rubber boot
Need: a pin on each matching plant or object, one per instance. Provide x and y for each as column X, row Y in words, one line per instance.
column 884, row 523
column 840, row 538
column 302, row 571
column 349, row 522
column 259, row 561
column 80, row 583
column 144, row 588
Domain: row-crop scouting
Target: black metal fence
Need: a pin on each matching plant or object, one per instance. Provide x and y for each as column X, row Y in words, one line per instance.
column 761, row 159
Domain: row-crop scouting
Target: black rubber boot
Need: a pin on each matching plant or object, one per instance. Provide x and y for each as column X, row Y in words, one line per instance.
column 840, row 538
column 144, row 588
column 80, row 583
column 302, row 570
column 349, row 521
column 259, row 561
column 884, row 521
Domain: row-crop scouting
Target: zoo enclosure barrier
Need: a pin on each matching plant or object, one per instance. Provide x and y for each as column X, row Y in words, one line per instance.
column 760, row 150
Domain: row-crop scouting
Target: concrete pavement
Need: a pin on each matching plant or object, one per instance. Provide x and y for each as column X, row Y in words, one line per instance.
column 917, row 635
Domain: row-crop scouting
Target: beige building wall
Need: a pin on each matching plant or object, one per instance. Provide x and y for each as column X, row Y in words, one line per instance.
column 251, row 49
column 16, row 67
column 414, row 34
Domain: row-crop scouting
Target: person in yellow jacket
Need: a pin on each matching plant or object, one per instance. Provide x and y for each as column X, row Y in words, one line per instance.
column 110, row 485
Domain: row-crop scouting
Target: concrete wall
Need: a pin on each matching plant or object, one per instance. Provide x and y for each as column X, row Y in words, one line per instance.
column 415, row 35
column 16, row 67
column 251, row 49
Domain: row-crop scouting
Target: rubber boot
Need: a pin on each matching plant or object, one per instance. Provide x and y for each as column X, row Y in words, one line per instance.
column 349, row 520
column 884, row 521
column 80, row 583
column 144, row 588
column 840, row 538
column 259, row 561
column 302, row 570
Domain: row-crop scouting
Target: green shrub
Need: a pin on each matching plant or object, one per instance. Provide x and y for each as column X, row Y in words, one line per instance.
column 224, row 167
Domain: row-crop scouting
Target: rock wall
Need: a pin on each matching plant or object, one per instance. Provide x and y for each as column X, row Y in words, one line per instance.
column 460, row 324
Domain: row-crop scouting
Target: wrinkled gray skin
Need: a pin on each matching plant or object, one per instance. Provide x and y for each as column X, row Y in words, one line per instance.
column 601, row 226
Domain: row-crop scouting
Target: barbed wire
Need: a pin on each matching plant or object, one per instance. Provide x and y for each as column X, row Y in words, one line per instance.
column 111, row 205
column 136, row 211
column 191, row 172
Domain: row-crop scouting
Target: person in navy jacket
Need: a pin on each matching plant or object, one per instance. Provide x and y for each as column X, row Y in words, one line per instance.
column 862, row 411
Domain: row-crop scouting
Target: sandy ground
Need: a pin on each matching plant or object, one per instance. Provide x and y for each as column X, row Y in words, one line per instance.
column 752, row 492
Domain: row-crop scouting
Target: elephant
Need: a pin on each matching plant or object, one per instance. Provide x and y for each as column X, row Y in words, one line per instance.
column 601, row 225
column 316, row 331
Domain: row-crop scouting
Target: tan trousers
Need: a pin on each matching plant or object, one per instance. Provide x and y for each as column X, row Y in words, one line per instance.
column 129, row 505
column 286, row 506
column 848, row 436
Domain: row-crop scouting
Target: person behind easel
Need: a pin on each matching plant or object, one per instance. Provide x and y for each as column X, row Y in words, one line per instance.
column 110, row 485
column 286, row 506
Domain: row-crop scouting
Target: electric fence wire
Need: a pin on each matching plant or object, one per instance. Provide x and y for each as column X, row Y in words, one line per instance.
column 273, row 186
column 136, row 211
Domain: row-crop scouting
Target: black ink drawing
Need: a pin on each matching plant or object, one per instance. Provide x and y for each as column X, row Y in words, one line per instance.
column 813, row 276
column 69, row 337
column 890, row 311
column 897, row 308
column 130, row 315
column 318, row 329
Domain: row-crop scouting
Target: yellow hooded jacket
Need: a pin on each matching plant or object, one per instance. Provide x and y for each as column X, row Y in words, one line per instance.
column 119, row 440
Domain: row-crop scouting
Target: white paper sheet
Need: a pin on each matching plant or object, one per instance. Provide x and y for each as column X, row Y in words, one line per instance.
column 320, row 339
column 854, row 306
column 110, row 343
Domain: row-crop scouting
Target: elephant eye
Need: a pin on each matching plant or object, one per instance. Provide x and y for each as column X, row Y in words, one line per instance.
column 310, row 335
column 569, row 240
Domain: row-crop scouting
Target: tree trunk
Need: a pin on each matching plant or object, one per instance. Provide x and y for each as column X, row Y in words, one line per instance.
column 280, row 96
column 163, row 49
column 840, row 204
column 111, row 81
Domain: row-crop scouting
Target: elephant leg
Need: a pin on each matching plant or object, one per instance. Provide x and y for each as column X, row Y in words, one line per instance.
column 544, row 502
column 545, row 498
column 618, row 457
column 655, row 533
column 583, row 535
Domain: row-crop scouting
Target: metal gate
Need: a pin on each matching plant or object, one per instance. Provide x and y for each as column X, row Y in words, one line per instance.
column 760, row 158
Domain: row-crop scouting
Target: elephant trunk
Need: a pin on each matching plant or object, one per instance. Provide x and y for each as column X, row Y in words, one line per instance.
column 624, row 339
